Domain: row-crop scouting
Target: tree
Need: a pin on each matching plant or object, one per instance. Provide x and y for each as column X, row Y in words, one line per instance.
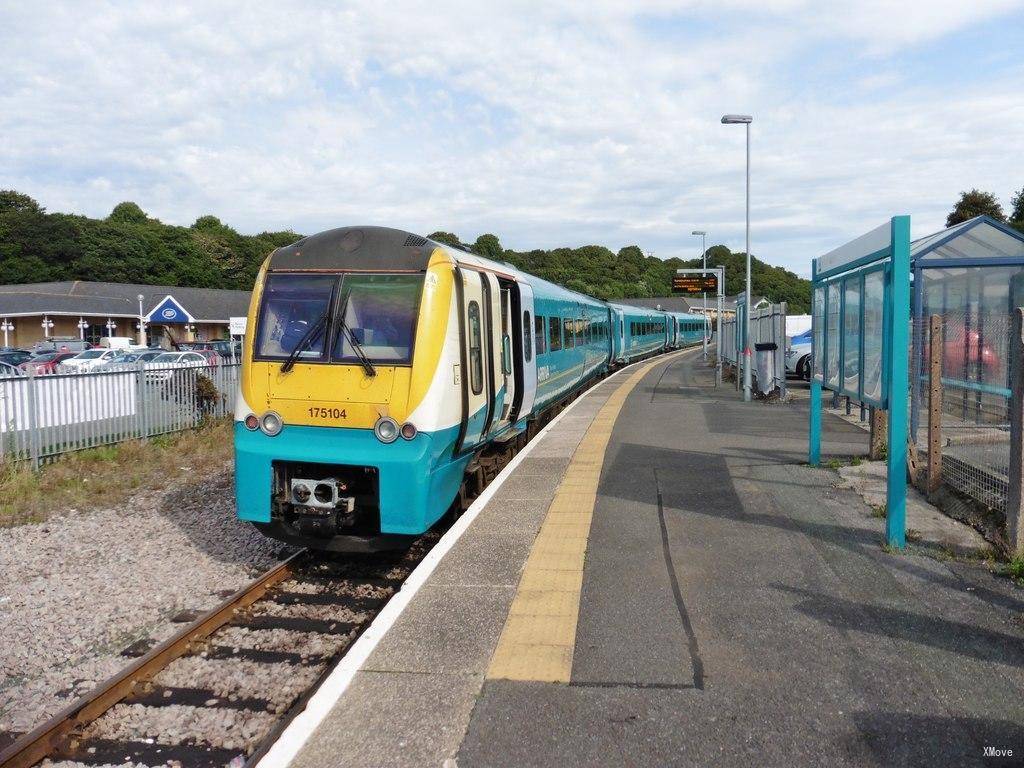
column 489, row 247
column 448, row 239
column 128, row 213
column 975, row 203
column 1017, row 215
column 16, row 202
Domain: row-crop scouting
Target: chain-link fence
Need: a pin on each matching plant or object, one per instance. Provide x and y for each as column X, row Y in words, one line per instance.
column 975, row 428
column 42, row 416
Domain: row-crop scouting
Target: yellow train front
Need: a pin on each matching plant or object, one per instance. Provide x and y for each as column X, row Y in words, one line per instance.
column 379, row 364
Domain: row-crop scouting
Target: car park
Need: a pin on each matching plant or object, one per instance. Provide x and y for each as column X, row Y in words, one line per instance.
column 45, row 362
column 131, row 358
column 8, row 371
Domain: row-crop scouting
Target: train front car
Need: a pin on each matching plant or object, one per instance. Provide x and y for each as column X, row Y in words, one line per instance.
column 348, row 409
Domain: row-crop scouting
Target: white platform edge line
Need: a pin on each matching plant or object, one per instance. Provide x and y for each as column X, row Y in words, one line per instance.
column 298, row 731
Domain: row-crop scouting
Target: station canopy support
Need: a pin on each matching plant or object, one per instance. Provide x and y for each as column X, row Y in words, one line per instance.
column 860, row 338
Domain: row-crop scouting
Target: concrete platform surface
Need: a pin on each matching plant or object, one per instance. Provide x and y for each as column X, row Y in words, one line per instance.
column 732, row 606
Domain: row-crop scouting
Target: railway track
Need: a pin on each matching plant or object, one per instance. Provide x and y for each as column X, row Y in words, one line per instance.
column 219, row 691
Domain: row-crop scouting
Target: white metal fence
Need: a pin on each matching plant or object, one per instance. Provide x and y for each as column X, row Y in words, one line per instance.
column 767, row 326
column 45, row 415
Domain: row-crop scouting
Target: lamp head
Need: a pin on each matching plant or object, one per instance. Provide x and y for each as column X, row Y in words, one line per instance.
column 736, row 119
column 698, row 232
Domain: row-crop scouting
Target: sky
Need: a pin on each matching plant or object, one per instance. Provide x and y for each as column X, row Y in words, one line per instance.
column 548, row 124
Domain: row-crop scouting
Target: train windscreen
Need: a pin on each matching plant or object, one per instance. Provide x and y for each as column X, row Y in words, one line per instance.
column 380, row 314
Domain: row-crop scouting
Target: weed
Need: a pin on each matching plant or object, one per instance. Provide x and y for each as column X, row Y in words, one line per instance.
column 856, row 461
column 878, row 510
column 106, row 475
column 1015, row 568
column 833, row 464
column 913, row 534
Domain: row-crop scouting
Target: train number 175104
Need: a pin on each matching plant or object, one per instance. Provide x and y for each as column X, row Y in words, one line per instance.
column 327, row 413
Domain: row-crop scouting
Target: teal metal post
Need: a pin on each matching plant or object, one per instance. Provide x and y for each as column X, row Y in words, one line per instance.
column 899, row 297
column 814, row 439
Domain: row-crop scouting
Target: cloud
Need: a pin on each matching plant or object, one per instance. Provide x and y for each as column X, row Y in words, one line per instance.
column 548, row 124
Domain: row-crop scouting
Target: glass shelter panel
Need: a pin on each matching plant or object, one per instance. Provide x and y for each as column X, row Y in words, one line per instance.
column 874, row 312
column 832, row 333
column 851, row 335
column 818, row 321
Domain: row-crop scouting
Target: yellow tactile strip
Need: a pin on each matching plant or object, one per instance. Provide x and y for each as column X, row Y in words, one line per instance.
column 539, row 636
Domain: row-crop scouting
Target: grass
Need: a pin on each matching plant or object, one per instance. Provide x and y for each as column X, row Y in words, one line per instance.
column 1015, row 569
column 107, row 475
column 833, row 463
column 878, row 510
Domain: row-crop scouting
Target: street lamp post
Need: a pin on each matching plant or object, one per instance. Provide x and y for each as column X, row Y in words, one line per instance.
column 47, row 325
column 747, row 373
column 111, row 327
column 6, row 326
column 704, row 295
column 142, row 323
column 82, row 325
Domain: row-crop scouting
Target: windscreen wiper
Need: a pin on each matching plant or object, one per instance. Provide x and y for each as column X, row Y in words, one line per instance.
column 351, row 339
column 358, row 349
column 307, row 338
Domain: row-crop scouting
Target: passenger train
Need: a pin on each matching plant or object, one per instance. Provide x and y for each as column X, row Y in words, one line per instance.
column 381, row 368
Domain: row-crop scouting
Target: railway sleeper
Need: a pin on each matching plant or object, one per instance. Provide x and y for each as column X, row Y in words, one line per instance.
column 107, row 752
column 156, row 695
column 294, row 623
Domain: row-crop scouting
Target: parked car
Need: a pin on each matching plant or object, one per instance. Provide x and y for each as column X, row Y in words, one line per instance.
column 7, row 371
column 13, row 356
column 211, row 355
column 131, row 358
column 163, row 367
column 46, row 362
column 223, row 347
column 60, row 344
column 89, row 359
column 798, row 356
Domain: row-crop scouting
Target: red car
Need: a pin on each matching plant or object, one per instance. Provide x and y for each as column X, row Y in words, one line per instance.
column 956, row 353
column 45, row 362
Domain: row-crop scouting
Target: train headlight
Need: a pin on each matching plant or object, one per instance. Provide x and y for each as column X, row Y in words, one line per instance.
column 408, row 430
column 386, row 429
column 301, row 492
column 271, row 423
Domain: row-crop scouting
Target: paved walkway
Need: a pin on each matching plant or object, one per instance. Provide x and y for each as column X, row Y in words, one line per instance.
column 734, row 607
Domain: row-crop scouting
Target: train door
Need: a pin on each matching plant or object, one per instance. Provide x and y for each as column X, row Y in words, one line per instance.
column 475, row 345
column 526, row 357
column 497, row 380
column 619, row 332
column 505, row 359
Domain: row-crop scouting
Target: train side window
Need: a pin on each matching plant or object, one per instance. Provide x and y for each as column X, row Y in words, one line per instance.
column 476, row 360
column 581, row 336
column 567, row 336
column 555, row 333
column 538, row 335
column 527, row 341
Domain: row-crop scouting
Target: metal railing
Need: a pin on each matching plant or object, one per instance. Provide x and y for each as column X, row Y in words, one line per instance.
column 767, row 326
column 45, row 415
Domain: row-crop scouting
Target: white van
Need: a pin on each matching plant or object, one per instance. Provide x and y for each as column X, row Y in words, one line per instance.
column 117, row 342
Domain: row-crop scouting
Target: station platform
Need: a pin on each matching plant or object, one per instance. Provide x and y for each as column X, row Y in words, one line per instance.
column 660, row 579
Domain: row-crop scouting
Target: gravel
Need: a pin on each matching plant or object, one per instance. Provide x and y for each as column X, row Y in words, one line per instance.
column 77, row 589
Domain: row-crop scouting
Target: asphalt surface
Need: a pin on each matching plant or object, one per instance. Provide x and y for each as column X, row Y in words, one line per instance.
column 738, row 609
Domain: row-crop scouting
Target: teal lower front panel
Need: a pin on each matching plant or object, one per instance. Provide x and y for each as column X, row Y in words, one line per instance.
column 417, row 478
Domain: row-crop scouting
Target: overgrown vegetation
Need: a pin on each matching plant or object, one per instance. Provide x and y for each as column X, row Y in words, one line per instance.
column 131, row 246
column 105, row 476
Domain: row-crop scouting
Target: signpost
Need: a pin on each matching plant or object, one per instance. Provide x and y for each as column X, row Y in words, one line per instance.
column 698, row 283
column 236, row 327
column 705, row 281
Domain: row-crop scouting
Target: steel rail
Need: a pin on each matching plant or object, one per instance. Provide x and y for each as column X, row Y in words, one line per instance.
column 61, row 729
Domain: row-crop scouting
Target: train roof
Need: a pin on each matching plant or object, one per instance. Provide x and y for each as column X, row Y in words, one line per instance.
column 368, row 248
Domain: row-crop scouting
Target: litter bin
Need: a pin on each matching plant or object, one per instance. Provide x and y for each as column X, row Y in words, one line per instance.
column 764, row 365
